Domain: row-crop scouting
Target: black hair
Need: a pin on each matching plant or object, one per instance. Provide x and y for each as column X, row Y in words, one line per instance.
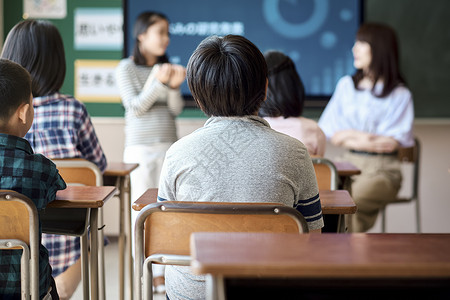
column 38, row 47
column 15, row 88
column 285, row 93
column 142, row 23
column 227, row 76
column 385, row 57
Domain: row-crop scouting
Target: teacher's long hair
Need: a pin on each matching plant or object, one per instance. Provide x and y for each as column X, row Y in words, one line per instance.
column 385, row 57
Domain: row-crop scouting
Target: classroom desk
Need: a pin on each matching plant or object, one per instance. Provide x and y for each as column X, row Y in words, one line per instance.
column 75, row 206
column 119, row 174
column 338, row 203
column 356, row 266
column 345, row 171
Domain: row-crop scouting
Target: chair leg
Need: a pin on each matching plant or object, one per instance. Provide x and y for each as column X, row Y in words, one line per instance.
column 85, row 265
column 383, row 219
column 101, row 257
column 418, row 220
column 147, row 281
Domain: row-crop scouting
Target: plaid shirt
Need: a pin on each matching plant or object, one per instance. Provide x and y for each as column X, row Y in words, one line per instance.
column 36, row 177
column 62, row 128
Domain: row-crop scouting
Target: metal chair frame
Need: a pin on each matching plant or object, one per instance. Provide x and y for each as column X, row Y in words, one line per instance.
column 408, row 155
column 174, row 209
column 333, row 175
column 78, row 171
column 30, row 254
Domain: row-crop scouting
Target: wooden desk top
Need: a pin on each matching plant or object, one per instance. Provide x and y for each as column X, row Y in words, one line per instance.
column 321, row 255
column 345, row 168
column 338, row 202
column 119, row 169
column 333, row 202
column 83, row 197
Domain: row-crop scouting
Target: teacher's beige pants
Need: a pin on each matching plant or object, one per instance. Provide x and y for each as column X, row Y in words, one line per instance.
column 377, row 185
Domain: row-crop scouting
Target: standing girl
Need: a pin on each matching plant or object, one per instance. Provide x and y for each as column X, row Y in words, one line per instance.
column 149, row 88
column 371, row 115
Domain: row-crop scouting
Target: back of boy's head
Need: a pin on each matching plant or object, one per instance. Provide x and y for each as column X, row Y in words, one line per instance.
column 285, row 93
column 38, row 47
column 227, row 76
column 15, row 88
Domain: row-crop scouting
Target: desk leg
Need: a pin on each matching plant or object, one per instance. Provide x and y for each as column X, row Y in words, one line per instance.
column 85, row 265
column 94, row 253
column 215, row 287
column 119, row 185
column 341, row 224
column 129, row 238
column 101, row 262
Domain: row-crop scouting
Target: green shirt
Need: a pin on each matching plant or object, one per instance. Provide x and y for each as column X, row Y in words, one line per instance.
column 36, row 177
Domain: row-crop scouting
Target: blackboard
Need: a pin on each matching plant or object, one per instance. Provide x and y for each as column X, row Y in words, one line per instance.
column 422, row 27
column 423, row 31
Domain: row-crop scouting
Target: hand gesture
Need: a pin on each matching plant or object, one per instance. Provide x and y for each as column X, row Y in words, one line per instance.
column 177, row 76
column 163, row 74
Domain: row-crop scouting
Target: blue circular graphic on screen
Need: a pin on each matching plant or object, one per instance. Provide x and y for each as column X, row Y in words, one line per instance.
column 272, row 14
column 346, row 15
column 328, row 40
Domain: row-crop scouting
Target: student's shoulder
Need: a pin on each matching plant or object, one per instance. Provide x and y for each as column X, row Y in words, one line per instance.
column 402, row 91
column 189, row 141
column 41, row 162
column 345, row 81
column 72, row 105
column 286, row 143
column 126, row 64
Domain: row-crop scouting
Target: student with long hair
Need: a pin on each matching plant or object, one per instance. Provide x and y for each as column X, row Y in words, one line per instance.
column 149, row 88
column 283, row 107
column 62, row 127
column 371, row 115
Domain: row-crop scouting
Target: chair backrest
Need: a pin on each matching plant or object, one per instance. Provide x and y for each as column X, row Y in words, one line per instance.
column 177, row 220
column 169, row 224
column 409, row 155
column 79, row 171
column 19, row 228
column 412, row 155
column 74, row 171
column 326, row 173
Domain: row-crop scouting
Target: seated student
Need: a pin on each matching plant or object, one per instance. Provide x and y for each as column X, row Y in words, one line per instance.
column 21, row 170
column 284, row 104
column 235, row 156
column 62, row 127
column 371, row 115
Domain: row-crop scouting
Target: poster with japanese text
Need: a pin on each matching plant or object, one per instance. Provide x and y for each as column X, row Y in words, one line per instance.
column 95, row 81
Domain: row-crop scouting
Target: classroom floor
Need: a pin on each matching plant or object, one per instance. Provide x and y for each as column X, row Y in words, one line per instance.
column 112, row 274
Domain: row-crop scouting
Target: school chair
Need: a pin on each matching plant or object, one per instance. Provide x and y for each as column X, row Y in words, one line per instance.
column 78, row 171
column 326, row 173
column 408, row 156
column 163, row 229
column 19, row 225
column 328, row 179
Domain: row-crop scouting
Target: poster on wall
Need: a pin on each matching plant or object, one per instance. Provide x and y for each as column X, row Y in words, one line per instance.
column 44, row 9
column 98, row 29
column 95, row 81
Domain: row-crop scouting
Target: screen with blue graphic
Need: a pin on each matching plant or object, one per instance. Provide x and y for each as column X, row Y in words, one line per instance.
column 317, row 34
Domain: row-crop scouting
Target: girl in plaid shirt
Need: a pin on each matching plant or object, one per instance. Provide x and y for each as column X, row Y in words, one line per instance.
column 61, row 129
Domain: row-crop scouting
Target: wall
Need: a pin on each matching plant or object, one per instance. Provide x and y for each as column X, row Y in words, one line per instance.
column 424, row 40
column 434, row 188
